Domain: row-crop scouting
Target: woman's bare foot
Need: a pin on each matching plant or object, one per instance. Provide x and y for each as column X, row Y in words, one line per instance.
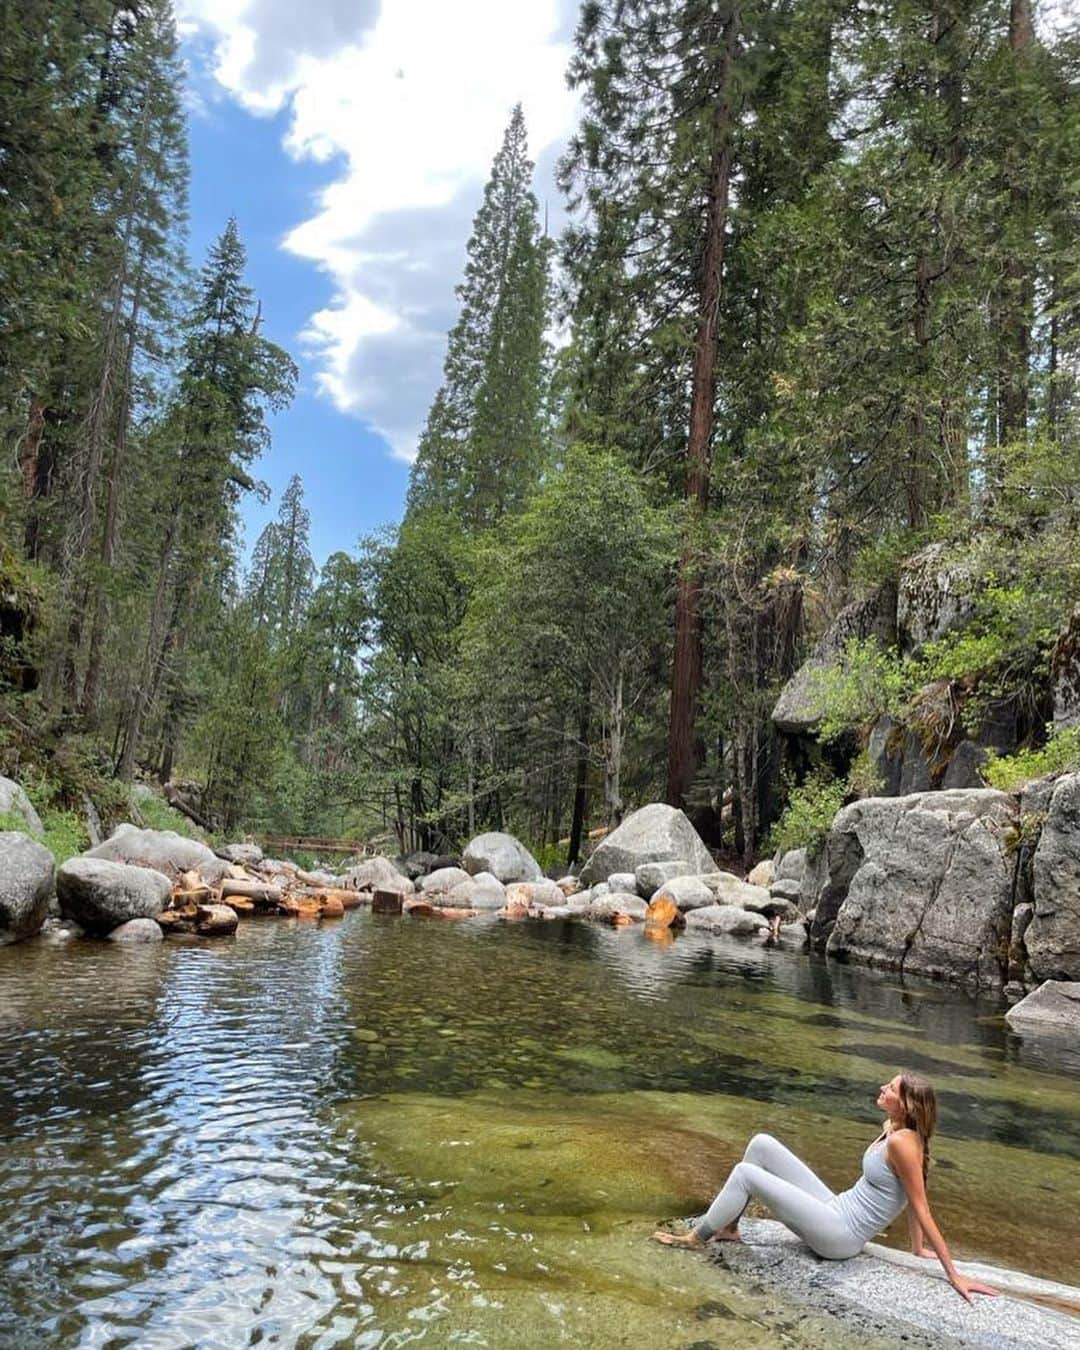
column 690, row 1239
column 727, row 1235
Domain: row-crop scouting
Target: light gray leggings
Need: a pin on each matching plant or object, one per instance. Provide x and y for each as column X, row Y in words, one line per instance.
column 771, row 1173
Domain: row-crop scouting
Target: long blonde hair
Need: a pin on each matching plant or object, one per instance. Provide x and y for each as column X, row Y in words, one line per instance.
column 919, row 1105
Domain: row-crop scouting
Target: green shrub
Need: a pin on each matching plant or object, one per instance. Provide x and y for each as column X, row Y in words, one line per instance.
column 809, row 814
column 65, row 834
column 551, row 857
column 866, row 683
column 157, row 814
column 1060, row 754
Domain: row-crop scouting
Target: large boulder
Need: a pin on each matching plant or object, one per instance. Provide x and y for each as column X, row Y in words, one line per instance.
column 655, row 833
column 922, row 884
column 764, row 874
column 791, row 866
column 101, row 895
column 649, row 877
column 377, row 874
column 1053, row 1007
column 730, row 919
column 1052, row 938
column 241, row 855
column 15, row 802
column 502, row 855
column 727, row 889
column 27, row 882
column 935, row 594
column 798, row 709
column 162, row 851
column 483, row 891
column 442, row 879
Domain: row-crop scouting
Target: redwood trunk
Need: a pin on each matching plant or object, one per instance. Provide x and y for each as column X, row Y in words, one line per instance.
column 684, row 747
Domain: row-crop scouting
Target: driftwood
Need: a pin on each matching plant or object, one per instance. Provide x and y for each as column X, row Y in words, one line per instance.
column 176, row 800
column 261, row 892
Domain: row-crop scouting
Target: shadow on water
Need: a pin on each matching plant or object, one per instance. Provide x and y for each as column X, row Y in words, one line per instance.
column 346, row 1132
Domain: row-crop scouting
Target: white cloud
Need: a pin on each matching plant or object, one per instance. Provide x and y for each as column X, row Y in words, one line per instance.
column 413, row 97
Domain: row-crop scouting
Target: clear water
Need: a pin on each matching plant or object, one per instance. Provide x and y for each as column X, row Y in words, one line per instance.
column 382, row 1131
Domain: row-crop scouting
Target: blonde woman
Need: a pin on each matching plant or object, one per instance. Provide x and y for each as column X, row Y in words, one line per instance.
column 837, row 1227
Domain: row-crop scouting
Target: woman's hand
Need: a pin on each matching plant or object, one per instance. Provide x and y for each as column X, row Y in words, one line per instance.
column 965, row 1288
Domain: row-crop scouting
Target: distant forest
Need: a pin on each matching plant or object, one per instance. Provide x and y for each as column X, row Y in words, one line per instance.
column 816, row 308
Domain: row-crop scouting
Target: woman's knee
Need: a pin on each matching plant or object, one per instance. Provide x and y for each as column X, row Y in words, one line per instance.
column 759, row 1146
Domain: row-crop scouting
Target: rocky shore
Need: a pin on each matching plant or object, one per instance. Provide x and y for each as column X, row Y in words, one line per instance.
column 970, row 886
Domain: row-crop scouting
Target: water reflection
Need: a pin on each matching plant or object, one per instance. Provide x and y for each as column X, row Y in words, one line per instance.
column 177, row 1171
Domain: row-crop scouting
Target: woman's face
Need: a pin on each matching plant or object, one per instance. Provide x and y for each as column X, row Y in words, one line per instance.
column 889, row 1095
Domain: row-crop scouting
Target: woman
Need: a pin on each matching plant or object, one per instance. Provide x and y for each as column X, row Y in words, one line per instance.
column 838, row 1226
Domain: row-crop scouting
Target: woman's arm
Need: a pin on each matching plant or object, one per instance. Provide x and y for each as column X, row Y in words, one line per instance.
column 904, row 1151
column 915, row 1232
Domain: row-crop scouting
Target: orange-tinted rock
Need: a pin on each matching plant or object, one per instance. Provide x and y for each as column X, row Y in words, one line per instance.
column 349, row 899
column 240, row 903
column 620, row 920
column 442, row 912
column 176, row 921
column 663, row 913
column 332, row 908
column 663, row 937
column 301, row 907
column 517, row 909
column 420, row 909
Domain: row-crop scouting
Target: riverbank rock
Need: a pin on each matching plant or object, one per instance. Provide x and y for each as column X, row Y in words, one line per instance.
column 418, row 864
column 216, row 920
column 137, row 931
column 686, row 892
column 1053, row 1007
column 624, row 881
column 763, row 874
column 727, row 889
column 162, row 851
column 922, row 884
column 533, row 894
column 891, row 1297
column 101, row 894
column 376, row 874
column 730, row 919
column 651, row 876
column 243, row 855
column 1052, row 938
column 1065, row 671
column 483, row 891
column 656, row 833
column 502, row 855
column 15, row 802
column 27, row 885
column 615, row 906
column 443, row 879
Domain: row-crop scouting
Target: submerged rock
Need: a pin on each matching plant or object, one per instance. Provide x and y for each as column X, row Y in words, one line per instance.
column 27, row 884
column 162, row 851
column 656, row 833
column 501, row 855
column 377, row 874
column 730, row 919
column 100, row 894
column 608, row 908
column 137, row 931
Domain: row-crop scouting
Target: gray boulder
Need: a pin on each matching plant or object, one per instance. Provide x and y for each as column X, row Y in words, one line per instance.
column 1052, row 938
column 27, row 883
column 886, row 754
column 798, row 709
column 727, row 889
column 623, row 881
column 935, row 594
column 763, row 874
column 502, row 855
column 1065, row 671
column 786, row 889
column 442, row 879
column 137, row 930
column 483, row 891
column 377, row 874
column 15, row 802
column 791, row 866
column 656, row 833
column 242, row 855
column 651, row 876
column 687, row 893
column 922, row 884
column 162, row 851
column 605, row 907
column 419, row 864
column 730, row 919
column 101, row 894
column 1053, row 1007
column 535, row 894
column 964, row 765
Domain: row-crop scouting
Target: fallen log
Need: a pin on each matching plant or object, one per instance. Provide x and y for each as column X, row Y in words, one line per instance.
column 259, row 892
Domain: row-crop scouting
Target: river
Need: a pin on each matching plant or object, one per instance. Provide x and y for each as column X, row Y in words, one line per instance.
column 383, row 1131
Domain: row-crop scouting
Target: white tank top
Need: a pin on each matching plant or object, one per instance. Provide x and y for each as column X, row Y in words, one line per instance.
column 876, row 1198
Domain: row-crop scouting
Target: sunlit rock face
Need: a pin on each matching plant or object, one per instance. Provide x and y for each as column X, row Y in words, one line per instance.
column 1052, row 937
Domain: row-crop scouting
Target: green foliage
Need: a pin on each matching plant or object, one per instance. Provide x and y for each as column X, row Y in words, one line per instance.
column 809, row 814
column 155, row 813
column 65, row 834
column 1060, row 754
column 867, row 682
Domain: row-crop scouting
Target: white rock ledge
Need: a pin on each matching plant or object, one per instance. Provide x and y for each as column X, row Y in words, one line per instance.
column 889, row 1292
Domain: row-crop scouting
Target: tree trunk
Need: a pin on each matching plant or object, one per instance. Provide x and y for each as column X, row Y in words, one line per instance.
column 684, row 747
column 1017, row 294
column 581, row 785
column 613, row 751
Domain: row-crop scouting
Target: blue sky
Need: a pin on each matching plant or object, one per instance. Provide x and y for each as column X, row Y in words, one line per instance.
column 352, row 139
column 352, row 482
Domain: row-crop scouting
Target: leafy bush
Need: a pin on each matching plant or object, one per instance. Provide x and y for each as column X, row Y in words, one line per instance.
column 156, row 814
column 809, row 814
column 65, row 834
column 1060, row 754
column 867, row 682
